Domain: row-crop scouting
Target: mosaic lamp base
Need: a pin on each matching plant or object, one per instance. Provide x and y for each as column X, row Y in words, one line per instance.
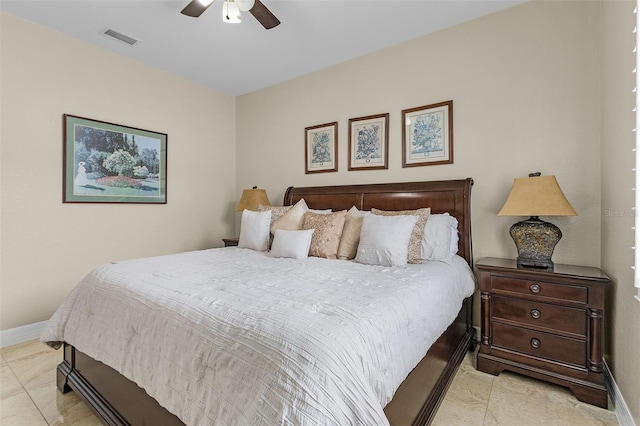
column 535, row 240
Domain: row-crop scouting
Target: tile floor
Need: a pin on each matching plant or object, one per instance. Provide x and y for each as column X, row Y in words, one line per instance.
column 29, row 397
column 476, row 398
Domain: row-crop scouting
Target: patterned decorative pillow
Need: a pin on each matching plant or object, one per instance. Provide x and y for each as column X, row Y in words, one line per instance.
column 350, row 234
column 276, row 211
column 328, row 229
column 414, row 254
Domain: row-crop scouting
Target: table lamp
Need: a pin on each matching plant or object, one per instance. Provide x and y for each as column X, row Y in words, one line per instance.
column 252, row 198
column 535, row 239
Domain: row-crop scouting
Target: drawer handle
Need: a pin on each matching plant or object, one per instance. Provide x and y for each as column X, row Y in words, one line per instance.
column 535, row 314
column 535, row 343
column 535, row 288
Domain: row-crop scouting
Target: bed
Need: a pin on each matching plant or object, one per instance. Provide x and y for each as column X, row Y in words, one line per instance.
column 117, row 400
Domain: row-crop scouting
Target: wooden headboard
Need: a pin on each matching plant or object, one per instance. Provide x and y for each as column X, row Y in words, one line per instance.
column 453, row 196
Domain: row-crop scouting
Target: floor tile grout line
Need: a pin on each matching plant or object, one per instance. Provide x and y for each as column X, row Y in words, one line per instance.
column 493, row 379
column 24, row 390
column 486, row 408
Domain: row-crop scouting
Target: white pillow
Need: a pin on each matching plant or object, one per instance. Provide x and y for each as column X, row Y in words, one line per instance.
column 384, row 240
column 254, row 230
column 294, row 244
column 439, row 242
column 453, row 249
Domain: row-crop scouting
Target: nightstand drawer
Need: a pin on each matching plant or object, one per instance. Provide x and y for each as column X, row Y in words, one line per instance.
column 539, row 344
column 553, row 318
column 540, row 289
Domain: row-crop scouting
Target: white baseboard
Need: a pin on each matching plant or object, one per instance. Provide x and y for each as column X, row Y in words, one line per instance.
column 619, row 405
column 17, row 335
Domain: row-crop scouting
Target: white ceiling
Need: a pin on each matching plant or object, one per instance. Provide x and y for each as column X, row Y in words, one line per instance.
column 241, row 58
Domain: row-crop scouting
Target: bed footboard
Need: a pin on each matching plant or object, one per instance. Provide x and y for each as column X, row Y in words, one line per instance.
column 417, row 399
column 113, row 398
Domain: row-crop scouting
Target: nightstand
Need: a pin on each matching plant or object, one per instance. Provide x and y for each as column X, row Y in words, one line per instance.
column 230, row 242
column 546, row 324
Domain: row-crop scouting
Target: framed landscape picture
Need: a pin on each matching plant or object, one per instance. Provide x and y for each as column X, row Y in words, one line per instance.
column 321, row 148
column 427, row 135
column 368, row 138
column 110, row 163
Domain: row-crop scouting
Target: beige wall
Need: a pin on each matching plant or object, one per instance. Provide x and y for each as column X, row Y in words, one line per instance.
column 523, row 83
column 623, row 338
column 48, row 246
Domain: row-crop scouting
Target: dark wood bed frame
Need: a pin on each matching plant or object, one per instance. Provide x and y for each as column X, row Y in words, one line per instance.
column 115, row 400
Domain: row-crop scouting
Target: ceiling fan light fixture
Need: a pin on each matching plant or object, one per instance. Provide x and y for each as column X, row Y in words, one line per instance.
column 230, row 12
column 245, row 5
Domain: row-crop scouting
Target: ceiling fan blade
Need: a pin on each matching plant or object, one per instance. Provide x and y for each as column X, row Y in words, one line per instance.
column 195, row 8
column 264, row 15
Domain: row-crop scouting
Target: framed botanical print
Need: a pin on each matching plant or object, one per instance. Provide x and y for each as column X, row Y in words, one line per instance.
column 110, row 163
column 368, row 142
column 427, row 135
column 321, row 148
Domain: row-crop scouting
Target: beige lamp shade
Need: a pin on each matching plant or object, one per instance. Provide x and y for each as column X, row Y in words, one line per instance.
column 536, row 196
column 252, row 198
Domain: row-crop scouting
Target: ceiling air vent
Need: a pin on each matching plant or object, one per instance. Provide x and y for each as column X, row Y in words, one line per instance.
column 120, row 37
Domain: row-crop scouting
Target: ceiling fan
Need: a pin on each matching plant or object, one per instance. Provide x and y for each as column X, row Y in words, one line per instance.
column 255, row 7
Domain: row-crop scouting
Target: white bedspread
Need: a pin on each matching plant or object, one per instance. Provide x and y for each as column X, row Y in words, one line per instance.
column 233, row 337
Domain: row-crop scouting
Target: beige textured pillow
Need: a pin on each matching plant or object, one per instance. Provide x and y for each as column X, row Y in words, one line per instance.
column 292, row 219
column 350, row 234
column 414, row 254
column 276, row 211
column 326, row 237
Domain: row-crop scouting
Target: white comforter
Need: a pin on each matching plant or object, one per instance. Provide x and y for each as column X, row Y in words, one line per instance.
column 234, row 337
